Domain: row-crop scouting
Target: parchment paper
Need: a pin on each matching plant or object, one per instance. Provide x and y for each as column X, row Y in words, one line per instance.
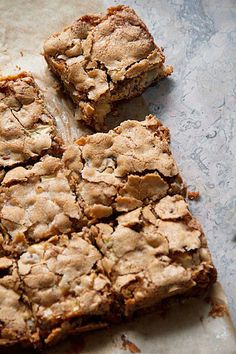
column 186, row 327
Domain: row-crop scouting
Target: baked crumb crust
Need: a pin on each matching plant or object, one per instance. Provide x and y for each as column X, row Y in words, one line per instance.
column 27, row 130
column 102, row 59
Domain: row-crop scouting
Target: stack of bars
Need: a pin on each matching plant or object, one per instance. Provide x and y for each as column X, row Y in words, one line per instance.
column 97, row 231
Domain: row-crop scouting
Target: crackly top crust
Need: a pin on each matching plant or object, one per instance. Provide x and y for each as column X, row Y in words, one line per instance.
column 62, row 281
column 16, row 320
column 117, row 44
column 155, row 252
column 97, row 52
column 123, row 169
column 26, row 128
column 37, row 202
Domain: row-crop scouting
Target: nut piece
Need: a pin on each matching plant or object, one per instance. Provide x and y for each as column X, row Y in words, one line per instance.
column 102, row 59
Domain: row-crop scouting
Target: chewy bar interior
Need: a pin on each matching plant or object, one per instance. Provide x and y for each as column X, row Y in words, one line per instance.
column 102, row 59
column 97, row 235
column 27, row 129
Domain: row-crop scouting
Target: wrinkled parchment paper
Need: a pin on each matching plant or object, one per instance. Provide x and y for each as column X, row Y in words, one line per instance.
column 186, row 327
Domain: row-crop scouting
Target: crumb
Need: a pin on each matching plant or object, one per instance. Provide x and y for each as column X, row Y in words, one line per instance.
column 21, row 53
column 18, row 67
column 193, row 195
column 218, row 310
column 128, row 345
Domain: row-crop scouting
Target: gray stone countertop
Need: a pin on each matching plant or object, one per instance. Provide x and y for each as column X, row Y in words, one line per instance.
column 198, row 104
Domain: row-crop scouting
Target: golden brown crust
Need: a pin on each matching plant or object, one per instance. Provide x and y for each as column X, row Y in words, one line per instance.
column 103, row 59
column 27, row 130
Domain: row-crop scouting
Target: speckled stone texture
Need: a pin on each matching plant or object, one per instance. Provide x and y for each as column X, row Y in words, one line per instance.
column 198, row 105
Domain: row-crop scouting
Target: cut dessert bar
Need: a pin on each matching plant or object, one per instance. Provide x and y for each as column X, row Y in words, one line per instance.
column 17, row 324
column 67, row 291
column 27, row 129
column 126, row 168
column 36, row 203
column 102, row 59
column 155, row 252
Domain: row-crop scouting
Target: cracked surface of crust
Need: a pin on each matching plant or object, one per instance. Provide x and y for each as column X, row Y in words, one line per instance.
column 64, row 286
column 36, row 203
column 123, row 169
column 16, row 321
column 102, row 59
column 151, row 255
column 27, row 129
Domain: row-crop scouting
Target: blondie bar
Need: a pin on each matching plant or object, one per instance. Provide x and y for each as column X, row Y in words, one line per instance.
column 62, row 282
column 154, row 252
column 36, row 203
column 17, row 324
column 126, row 168
column 102, row 59
column 27, row 129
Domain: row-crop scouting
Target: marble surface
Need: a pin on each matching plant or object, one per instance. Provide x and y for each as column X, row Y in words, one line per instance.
column 198, row 104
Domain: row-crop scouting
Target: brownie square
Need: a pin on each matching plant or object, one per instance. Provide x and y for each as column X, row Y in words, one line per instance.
column 154, row 252
column 66, row 289
column 126, row 168
column 36, row 203
column 27, row 130
column 102, row 59
column 17, row 325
